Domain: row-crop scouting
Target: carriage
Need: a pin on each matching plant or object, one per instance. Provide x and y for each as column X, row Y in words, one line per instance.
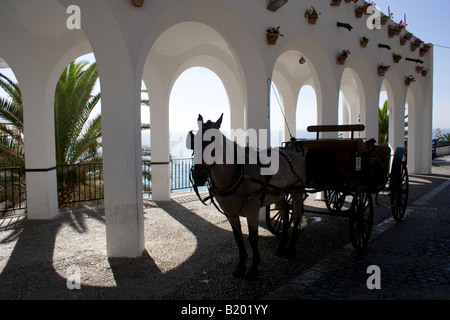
column 348, row 171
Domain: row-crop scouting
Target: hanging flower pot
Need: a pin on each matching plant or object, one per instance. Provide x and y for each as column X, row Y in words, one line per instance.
column 397, row 57
column 312, row 15
column 408, row 36
column 424, row 72
column 138, row 3
column 359, row 12
column 416, row 44
column 335, row 3
column 392, row 31
column 364, row 42
column 419, row 68
column 342, row 57
column 403, row 41
column 385, row 18
column 425, row 49
column 273, row 34
column 409, row 79
column 382, row 70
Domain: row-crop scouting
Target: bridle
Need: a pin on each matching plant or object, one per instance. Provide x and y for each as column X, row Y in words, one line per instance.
column 200, row 175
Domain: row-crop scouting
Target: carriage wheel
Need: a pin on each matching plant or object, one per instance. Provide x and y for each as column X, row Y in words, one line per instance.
column 335, row 201
column 399, row 184
column 273, row 217
column 399, row 194
column 361, row 218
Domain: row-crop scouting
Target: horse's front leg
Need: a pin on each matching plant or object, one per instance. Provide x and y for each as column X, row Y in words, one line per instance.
column 235, row 223
column 253, row 220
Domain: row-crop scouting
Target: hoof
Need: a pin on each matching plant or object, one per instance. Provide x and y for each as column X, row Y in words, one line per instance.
column 239, row 272
column 252, row 275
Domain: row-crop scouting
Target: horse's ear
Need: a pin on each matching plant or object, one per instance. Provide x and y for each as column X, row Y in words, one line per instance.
column 200, row 121
column 190, row 141
column 219, row 122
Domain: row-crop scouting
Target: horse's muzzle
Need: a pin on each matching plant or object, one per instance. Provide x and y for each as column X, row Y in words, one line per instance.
column 200, row 174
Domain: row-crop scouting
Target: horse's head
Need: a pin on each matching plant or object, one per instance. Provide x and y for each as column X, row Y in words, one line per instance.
column 201, row 143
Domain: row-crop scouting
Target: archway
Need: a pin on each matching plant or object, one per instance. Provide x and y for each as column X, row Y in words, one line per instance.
column 190, row 47
column 296, row 81
column 196, row 91
column 306, row 114
column 351, row 100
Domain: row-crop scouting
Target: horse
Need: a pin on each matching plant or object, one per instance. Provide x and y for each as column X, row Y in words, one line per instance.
column 241, row 189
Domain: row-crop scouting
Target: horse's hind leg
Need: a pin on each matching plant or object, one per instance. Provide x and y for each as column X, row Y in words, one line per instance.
column 253, row 220
column 240, row 270
column 297, row 202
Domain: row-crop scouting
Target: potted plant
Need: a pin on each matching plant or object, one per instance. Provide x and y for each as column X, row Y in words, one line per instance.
column 335, row 3
column 424, row 72
column 397, row 57
column 382, row 69
column 408, row 35
column 400, row 26
column 342, row 57
column 416, row 44
column 403, row 40
column 273, row 34
column 359, row 11
column 364, row 42
column 138, row 3
column 312, row 15
column 409, row 79
column 425, row 49
column 392, row 30
column 385, row 18
column 419, row 68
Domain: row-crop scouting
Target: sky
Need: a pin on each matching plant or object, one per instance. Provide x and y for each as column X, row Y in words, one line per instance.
column 200, row 89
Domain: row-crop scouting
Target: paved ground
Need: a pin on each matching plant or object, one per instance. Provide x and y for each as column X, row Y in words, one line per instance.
column 413, row 257
column 191, row 253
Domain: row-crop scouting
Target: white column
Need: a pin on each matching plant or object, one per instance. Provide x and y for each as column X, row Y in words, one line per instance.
column 397, row 122
column 120, row 80
column 160, row 148
column 39, row 140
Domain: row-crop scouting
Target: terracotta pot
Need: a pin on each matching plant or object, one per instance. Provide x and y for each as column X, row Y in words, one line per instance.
column 403, row 41
column 364, row 44
column 312, row 18
column 138, row 3
column 336, row 3
column 272, row 38
column 341, row 60
column 424, row 73
column 381, row 72
column 408, row 82
column 391, row 32
column 359, row 12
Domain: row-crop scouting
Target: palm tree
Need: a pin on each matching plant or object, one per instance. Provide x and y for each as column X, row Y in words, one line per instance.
column 77, row 136
column 11, row 142
column 383, row 125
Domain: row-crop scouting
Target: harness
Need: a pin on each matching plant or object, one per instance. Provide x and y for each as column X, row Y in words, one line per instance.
column 267, row 187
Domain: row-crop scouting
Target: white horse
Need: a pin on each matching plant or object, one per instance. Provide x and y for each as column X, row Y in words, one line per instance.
column 241, row 190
